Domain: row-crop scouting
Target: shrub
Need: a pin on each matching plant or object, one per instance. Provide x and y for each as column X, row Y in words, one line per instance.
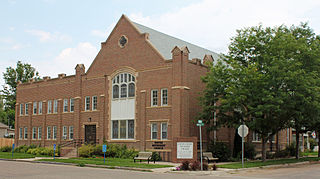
column 313, row 143
column 185, row 165
column 220, row 150
column 249, row 151
column 6, row 149
column 195, row 165
column 291, row 149
column 48, row 151
column 156, row 156
column 86, row 150
column 282, row 154
column 113, row 150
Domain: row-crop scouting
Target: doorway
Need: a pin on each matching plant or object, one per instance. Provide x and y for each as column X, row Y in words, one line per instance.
column 90, row 134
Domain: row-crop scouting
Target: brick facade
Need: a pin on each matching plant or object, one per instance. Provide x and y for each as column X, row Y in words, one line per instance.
column 180, row 75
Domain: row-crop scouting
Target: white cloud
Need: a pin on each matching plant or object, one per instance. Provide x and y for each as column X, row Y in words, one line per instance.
column 49, row 36
column 98, row 33
column 211, row 23
column 67, row 60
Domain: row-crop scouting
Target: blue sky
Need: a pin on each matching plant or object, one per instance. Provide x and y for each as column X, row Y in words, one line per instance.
column 55, row 35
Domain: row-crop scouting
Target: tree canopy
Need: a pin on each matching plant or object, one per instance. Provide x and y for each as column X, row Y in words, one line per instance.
column 268, row 79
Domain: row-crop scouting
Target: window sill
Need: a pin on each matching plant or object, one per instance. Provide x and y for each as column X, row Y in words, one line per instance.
column 89, row 111
column 123, row 140
column 151, row 107
column 157, row 140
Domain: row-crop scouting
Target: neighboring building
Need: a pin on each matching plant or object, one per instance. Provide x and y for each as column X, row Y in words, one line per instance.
column 5, row 131
column 141, row 90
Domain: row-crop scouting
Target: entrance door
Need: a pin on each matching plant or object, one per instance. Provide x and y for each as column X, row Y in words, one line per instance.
column 90, row 134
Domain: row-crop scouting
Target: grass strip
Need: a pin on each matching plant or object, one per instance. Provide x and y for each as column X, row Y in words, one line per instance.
column 251, row 164
column 113, row 162
column 8, row 155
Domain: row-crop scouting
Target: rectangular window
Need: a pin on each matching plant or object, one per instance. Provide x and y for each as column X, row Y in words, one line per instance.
column 65, row 105
column 122, row 129
column 64, row 132
column 34, row 133
column 256, row 137
column 21, row 109
column 40, row 107
column 71, row 105
column 48, row 132
column 71, row 132
column 164, row 97
column 154, row 97
column 49, row 106
column 87, row 103
column 164, row 131
column 26, row 109
column 25, row 133
column 55, row 106
column 54, row 136
column 39, row 132
column 34, row 107
column 154, row 131
column 94, row 102
column 20, row 133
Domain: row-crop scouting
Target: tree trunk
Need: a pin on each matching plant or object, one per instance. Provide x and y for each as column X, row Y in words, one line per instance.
column 264, row 152
column 277, row 142
column 318, row 133
column 297, row 144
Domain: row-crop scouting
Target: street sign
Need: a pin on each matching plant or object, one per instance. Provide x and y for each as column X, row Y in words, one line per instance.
column 199, row 121
column 201, row 124
column 12, row 146
column 54, row 146
column 243, row 129
column 54, row 151
column 104, row 148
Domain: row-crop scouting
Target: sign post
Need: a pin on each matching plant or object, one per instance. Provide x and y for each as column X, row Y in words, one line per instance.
column 54, row 151
column 200, row 124
column 243, row 132
column 104, row 150
column 12, row 150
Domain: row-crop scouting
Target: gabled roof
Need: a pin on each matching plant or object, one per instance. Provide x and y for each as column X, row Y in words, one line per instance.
column 3, row 126
column 165, row 43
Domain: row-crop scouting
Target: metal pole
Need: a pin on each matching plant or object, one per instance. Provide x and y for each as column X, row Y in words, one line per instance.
column 242, row 144
column 104, row 157
column 201, row 148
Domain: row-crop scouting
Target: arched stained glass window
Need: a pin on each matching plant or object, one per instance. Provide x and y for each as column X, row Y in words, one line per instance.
column 123, row 86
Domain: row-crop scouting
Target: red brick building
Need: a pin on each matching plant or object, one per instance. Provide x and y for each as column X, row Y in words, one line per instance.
column 141, row 90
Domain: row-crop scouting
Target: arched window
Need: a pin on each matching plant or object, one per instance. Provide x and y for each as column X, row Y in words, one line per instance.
column 131, row 90
column 115, row 91
column 123, row 91
column 123, row 86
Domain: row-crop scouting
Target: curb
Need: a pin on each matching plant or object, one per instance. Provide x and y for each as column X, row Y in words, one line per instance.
column 85, row 165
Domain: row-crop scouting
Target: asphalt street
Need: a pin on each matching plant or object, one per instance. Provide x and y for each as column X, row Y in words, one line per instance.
column 26, row 170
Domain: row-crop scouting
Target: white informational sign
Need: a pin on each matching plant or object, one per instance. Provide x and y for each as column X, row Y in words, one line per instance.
column 184, row 150
column 244, row 129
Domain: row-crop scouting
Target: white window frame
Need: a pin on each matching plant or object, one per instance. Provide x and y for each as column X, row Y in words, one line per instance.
column 49, row 106
column 256, row 137
column 71, row 132
column 163, row 131
column 152, row 131
column 55, row 106
column 34, row 109
column 162, row 104
column 48, row 132
column 26, row 108
column 127, row 129
column 54, row 132
column 94, row 103
column 154, row 97
column 72, row 105
column 65, row 105
column 25, row 133
column 39, row 133
column 64, row 132
column 34, row 133
column 40, row 107
column 122, row 81
column 87, row 103
column 20, row 133
column 21, row 109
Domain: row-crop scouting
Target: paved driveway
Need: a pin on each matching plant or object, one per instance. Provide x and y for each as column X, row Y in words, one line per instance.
column 26, row 170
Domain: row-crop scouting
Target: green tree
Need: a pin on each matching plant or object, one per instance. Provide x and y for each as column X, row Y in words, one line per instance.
column 23, row 72
column 257, row 79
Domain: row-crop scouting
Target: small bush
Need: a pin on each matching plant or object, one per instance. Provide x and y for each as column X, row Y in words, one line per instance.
column 185, row 165
column 48, row 151
column 291, row 149
column 220, row 150
column 6, row 149
column 313, row 143
column 86, row 150
column 156, row 156
column 113, row 151
column 249, row 151
column 195, row 165
column 282, row 154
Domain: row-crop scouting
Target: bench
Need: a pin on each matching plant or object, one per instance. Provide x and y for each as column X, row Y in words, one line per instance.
column 144, row 156
column 208, row 156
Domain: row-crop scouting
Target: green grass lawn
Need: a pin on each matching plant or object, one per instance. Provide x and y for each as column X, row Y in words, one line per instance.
column 310, row 153
column 8, row 155
column 112, row 162
column 268, row 162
